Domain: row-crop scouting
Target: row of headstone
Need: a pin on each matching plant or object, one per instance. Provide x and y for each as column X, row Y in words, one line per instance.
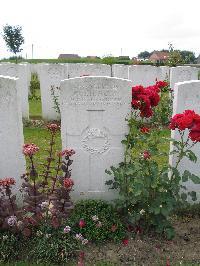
column 50, row 76
column 93, row 111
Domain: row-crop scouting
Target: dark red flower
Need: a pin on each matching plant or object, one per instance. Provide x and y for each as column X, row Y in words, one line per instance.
column 68, row 183
column 146, row 155
column 144, row 130
column 82, row 223
column 125, row 241
column 162, row 84
column 167, row 262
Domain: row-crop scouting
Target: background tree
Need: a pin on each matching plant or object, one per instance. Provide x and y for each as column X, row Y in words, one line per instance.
column 188, row 56
column 12, row 35
column 175, row 57
column 144, row 55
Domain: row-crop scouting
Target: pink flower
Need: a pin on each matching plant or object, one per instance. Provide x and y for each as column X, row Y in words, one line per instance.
column 99, row 224
column 53, row 128
column 67, row 229
column 66, row 152
column 7, row 181
column 82, row 223
column 79, row 237
column 84, row 241
column 12, row 220
column 30, row 149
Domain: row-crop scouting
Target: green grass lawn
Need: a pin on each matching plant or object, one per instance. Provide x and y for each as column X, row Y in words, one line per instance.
column 35, row 109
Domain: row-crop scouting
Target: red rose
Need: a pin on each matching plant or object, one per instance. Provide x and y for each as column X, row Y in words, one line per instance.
column 162, row 84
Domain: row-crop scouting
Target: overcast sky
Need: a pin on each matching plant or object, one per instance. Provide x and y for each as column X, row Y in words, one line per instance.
column 102, row 27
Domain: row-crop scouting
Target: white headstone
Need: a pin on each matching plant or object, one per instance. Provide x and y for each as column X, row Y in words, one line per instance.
column 187, row 97
column 20, row 71
column 50, row 76
column 80, row 69
column 165, row 73
column 93, row 111
column 144, row 75
column 12, row 161
column 120, row 71
column 182, row 73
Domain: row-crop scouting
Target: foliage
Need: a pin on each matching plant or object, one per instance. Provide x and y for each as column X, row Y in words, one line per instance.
column 149, row 191
column 34, row 87
column 12, row 35
column 163, row 112
column 55, row 98
column 101, row 221
column 175, row 57
column 144, row 55
column 51, row 245
column 188, row 57
column 10, row 246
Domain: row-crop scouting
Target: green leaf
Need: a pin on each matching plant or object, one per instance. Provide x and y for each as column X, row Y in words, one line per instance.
column 183, row 196
column 195, row 179
column 193, row 195
column 165, row 211
column 191, row 155
column 156, row 210
column 108, row 172
column 169, row 233
column 186, row 175
column 109, row 182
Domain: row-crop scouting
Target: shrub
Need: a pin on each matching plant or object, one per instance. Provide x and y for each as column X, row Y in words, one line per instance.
column 34, row 87
column 149, row 191
column 97, row 220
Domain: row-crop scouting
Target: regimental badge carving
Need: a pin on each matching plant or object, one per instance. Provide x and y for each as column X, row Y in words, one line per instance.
column 95, row 140
column 11, row 71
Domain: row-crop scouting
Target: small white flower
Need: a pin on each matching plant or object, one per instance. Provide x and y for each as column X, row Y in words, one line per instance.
column 95, row 218
column 79, row 236
column 5, row 237
column 44, row 205
column 160, row 206
column 67, row 229
column 85, row 241
column 48, row 235
column 39, row 233
column 142, row 212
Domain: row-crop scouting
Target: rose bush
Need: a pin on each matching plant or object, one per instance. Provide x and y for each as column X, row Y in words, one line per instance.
column 150, row 191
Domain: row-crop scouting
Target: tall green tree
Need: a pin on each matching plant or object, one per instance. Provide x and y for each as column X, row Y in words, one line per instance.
column 12, row 35
column 144, row 55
